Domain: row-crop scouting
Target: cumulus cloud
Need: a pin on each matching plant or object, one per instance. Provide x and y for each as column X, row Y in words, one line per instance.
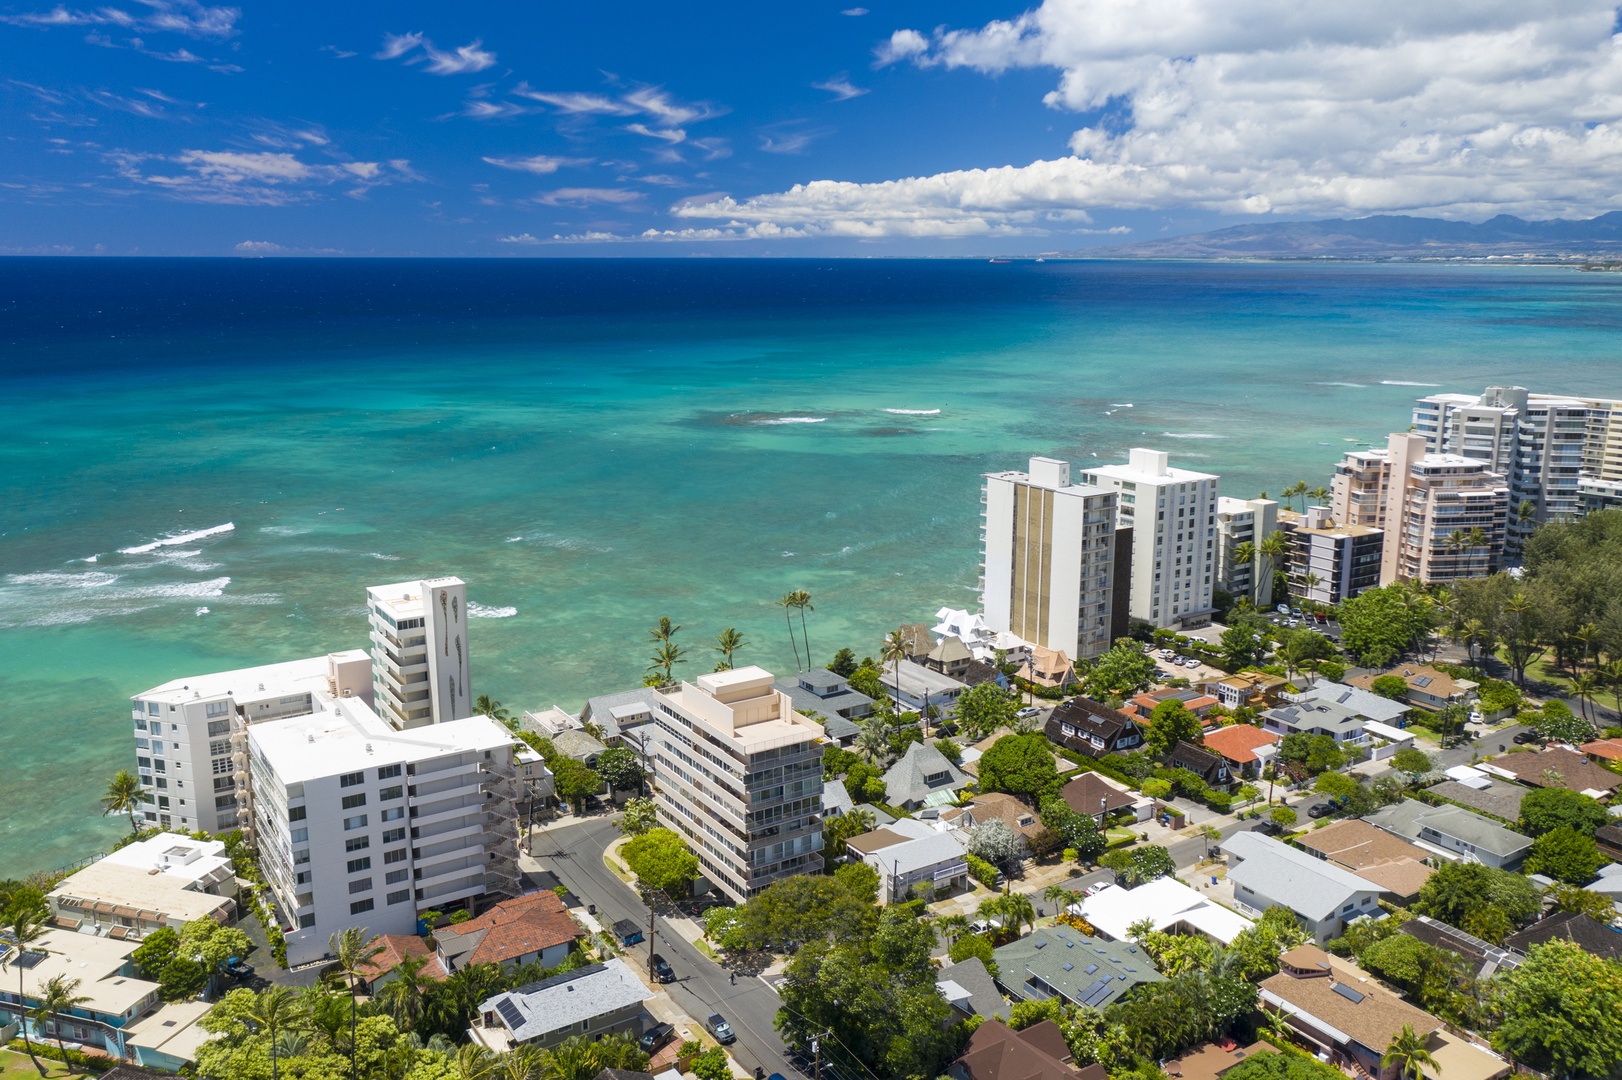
column 901, row 45
column 258, row 247
column 840, row 87
column 732, row 230
column 520, row 238
column 461, row 61
column 251, row 178
column 588, row 196
column 540, row 164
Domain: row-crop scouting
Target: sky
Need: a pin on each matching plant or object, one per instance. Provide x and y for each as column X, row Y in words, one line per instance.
column 174, row 127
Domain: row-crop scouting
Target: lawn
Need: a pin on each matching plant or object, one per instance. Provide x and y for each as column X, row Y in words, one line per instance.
column 1119, row 837
column 14, row 1066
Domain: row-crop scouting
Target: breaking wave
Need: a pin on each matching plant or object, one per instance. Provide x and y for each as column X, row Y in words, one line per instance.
column 175, row 541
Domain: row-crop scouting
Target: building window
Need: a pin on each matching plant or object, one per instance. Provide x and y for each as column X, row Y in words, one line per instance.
column 392, row 813
column 397, row 855
column 388, row 793
column 393, row 836
column 351, row 779
column 356, row 822
column 400, row 897
column 163, row 802
column 306, row 921
column 395, row 877
column 360, row 885
column 362, row 863
column 361, row 906
column 301, row 835
column 140, row 724
column 219, row 727
column 295, row 813
column 388, row 772
column 152, row 708
column 216, row 708
column 352, row 802
column 221, row 766
column 301, row 878
column 301, row 857
column 359, row 843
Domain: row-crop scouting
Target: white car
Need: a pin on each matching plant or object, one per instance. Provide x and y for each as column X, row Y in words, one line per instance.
column 1027, row 711
column 1191, row 663
column 1096, row 887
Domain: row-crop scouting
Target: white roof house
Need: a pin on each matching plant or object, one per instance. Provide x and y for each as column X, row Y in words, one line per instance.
column 580, row 1000
column 1265, row 873
column 1167, row 903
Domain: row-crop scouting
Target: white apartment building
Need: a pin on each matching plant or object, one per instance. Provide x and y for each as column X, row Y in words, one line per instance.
column 359, row 824
column 420, row 651
column 1049, row 558
column 1172, row 515
column 740, row 775
column 1244, row 521
column 1423, row 501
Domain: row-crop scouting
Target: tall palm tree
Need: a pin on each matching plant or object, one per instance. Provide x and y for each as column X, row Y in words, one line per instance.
column 485, row 705
column 1612, row 673
column 728, row 642
column 57, row 999
column 873, row 744
column 1308, row 583
column 405, row 996
column 1298, row 488
column 1407, row 1052
column 25, row 922
column 124, row 796
column 952, row 927
column 663, row 631
column 520, row 1063
column 802, row 601
column 276, row 1012
column 474, row 1062
column 1273, row 548
column 1244, row 554
column 355, row 951
column 1319, row 494
column 1584, row 687
column 892, row 652
column 786, row 604
column 668, row 656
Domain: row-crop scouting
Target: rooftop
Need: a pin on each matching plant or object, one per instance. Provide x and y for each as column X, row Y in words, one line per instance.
column 1604, row 749
column 1166, row 902
column 1423, row 678
column 1239, row 742
column 916, row 680
column 969, row 987
column 743, row 707
column 1350, row 1001
column 1084, row 792
column 125, row 891
column 172, row 1030
column 1314, row 888
column 921, row 771
column 1364, row 703
column 1149, row 466
column 328, row 742
column 1306, row 716
column 1499, row 798
column 403, row 599
column 1589, row 934
column 997, row 1052
column 1559, row 767
column 399, row 947
column 97, row 962
column 308, row 675
column 564, row 1001
column 1064, row 961
column 1355, row 844
column 1410, row 818
column 511, row 929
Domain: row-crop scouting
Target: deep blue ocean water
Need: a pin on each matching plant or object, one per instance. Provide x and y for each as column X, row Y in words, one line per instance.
column 593, row 444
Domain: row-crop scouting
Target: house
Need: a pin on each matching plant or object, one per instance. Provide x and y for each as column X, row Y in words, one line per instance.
column 1247, row 689
column 1098, row 797
column 533, row 927
column 923, row 777
column 1005, row 808
column 1609, row 882
column 1195, row 701
column 397, row 948
column 1330, row 718
column 1062, row 962
column 1372, row 854
column 1485, row 959
column 997, row 1052
column 1453, row 832
column 1208, row 766
column 1365, row 703
column 971, row 990
column 1604, row 749
column 1265, row 872
column 918, row 687
column 1588, row 934
column 1048, row 667
column 168, row 880
column 835, row 799
column 1210, row 1061
column 1084, row 725
column 114, row 998
column 976, row 672
column 1608, row 838
column 536, row 782
column 1344, row 1016
column 169, row 1038
column 912, row 856
column 1246, row 749
column 615, row 715
column 593, row 1001
column 827, row 694
column 1559, row 767
column 983, row 642
column 950, row 657
column 916, row 639
column 1428, row 688
column 1478, row 791
column 580, row 745
column 549, row 723
column 1167, row 903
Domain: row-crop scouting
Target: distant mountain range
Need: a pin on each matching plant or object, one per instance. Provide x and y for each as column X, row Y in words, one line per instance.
column 1390, row 237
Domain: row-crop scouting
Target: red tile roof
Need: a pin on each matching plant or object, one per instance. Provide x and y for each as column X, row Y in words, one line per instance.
column 398, row 947
column 513, row 928
column 1609, row 749
column 1238, row 742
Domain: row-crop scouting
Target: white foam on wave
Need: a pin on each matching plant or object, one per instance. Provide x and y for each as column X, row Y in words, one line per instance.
column 476, row 610
column 914, row 412
column 385, row 558
column 181, row 554
column 284, row 530
column 91, row 559
column 1190, row 435
column 1405, row 382
column 202, row 611
column 1352, row 385
column 514, row 539
column 1120, row 404
column 790, row 420
column 176, row 541
column 93, row 579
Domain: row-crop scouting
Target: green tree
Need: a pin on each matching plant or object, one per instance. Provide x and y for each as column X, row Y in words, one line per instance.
column 1140, row 864
column 1544, row 810
column 840, row 828
column 728, row 642
column 638, row 816
column 800, row 909
column 1027, row 1013
column 1121, row 671
column 1562, row 1012
column 353, row 952
column 983, row 709
column 574, row 782
column 859, row 880
column 25, row 920
column 995, row 842
column 1407, row 1052
column 1565, row 855
column 273, row 1012
column 59, row 997
column 892, row 651
column 124, row 796
column 1282, row 816
column 1559, row 724
column 800, row 600
column 1171, row 722
column 1079, row 832
column 1394, row 687
column 1272, row 1066
column 1596, row 906
column 485, row 705
column 666, row 654
column 405, row 996
column 620, row 768
column 1377, row 626
column 1241, row 646
column 662, row 863
column 787, row 604
column 976, row 946
column 1415, row 763
column 1483, row 900
column 712, row 1065
column 1020, row 765
column 155, row 951
column 843, row 663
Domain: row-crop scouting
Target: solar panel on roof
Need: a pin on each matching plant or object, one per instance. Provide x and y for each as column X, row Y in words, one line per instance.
column 1348, row 993
column 509, row 1012
column 1095, row 993
column 27, row 959
column 1423, row 681
column 1089, row 969
column 1070, row 967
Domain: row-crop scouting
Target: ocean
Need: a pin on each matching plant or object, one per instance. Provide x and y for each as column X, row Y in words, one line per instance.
column 204, row 463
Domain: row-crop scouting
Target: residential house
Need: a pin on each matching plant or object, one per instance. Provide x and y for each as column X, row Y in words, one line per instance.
column 1373, row 855
column 1608, row 838
column 168, row 880
column 984, row 642
column 1005, row 808
column 997, row 1052
column 916, row 639
column 976, row 672
column 1048, row 667
column 1365, row 703
column 169, row 1038
column 1454, row 832
column 1317, row 718
column 923, row 777
column 825, row 693
column 1208, row 766
column 1167, row 903
column 396, row 949
column 1097, row 796
column 971, row 990
column 533, row 927
column 596, row 1000
column 615, row 715
column 950, row 656
column 1428, row 688
column 835, row 799
column 1265, row 872
column 1246, row 749
column 1485, row 959
column 1211, row 1061
column 912, row 856
column 1247, row 689
column 1609, row 882
column 114, row 997
column 550, row 723
column 1062, row 962
column 1604, row 750
column 1559, row 767
column 580, row 745
column 1344, row 1015
column 1084, row 725
column 1195, row 701
column 920, row 688
column 1588, row 934
column 1476, row 790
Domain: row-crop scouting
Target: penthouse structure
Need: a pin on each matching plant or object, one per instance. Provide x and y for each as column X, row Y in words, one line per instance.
column 740, row 775
column 1245, row 521
column 420, row 657
column 1049, row 558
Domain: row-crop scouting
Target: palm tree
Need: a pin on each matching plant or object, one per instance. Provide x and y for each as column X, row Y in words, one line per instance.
column 1212, row 835
column 276, row 1012
column 1585, row 686
column 289, row 1044
column 1319, row 494
column 873, row 743
column 664, row 631
column 1612, row 673
column 1244, row 554
column 1586, row 635
column 802, row 600
column 124, row 796
column 1273, row 547
column 1019, row 909
column 786, row 603
column 25, row 922
column 1297, row 488
column 668, row 656
column 485, row 705
column 892, row 652
column 406, row 995
column 1310, row 582
column 57, row 999
column 952, row 927
column 1060, row 897
column 520, row 1063
column 474, row 1062
column 1407, row 1052
column 728, row 642
column 355, row 952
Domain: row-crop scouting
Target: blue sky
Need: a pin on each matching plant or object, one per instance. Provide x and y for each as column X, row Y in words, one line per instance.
column 175, row 127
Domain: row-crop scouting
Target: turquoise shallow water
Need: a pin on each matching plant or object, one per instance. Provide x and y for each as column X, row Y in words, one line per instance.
column 594, row 444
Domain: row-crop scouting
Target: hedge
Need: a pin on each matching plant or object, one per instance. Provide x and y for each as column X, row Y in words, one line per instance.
column 77, row 1058
column 982, row 871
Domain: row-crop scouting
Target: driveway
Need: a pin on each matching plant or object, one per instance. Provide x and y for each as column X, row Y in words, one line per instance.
column 573, row 854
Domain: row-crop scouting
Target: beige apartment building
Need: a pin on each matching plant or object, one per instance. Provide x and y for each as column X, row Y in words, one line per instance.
column 1329, row 562
column 739, row 773
column 1426, row 504
column 1244, row 521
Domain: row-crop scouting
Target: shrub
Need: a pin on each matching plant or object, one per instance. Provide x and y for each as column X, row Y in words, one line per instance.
column 712, row 1065
column 982, row 871
column 975, row 945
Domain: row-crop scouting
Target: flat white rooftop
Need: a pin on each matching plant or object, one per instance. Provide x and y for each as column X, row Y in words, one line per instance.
column 174, row 856
column 95, row 961
column 403, row 599
column 289, row 677
column 347, row 735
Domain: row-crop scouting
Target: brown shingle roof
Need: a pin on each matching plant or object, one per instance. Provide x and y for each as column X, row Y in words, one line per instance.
column 995, row 804
column 1355, row 844
column 513, row 928
column 1403, row 878
column 1558, row 767
column 1373, row 1020
column 877, row 840
column 997, row 1052
column 1082, row 795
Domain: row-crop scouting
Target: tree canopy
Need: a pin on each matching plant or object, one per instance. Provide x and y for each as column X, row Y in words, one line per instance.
column 1565, row 855
column 1478, row 899
column 1562, row 1012
column 1546, row 809
column 661, row 861
column 1020, row 765
column 1121, row 671
column 1378, row 625
column 1171, row 722
column 983, row 709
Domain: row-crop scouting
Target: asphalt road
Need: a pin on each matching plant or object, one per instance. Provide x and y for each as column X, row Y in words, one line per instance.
column 574, row 854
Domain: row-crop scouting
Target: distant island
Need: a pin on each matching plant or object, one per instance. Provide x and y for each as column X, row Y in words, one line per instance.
column 1595, row 240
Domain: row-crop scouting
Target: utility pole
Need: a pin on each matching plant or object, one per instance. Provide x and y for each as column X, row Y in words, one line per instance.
column 816, row 1059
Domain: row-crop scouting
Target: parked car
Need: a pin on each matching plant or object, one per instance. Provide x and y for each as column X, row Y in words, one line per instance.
column 717, row 1025
column 1097, row 887
column 662, row 970
column 235, row 968
column 1191, row 663
column 1283, row 609
column 655, row 1037
column 1318, row 810
column 1524, row 737
column 1027, row 711
column 1269, row 828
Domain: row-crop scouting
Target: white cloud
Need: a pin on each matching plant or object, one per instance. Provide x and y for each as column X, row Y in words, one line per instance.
column 162, row 16
column 840, row 87
column 656, row 103
column 588, row 196
column 788, row 142
column 540, row 164
column 669, row 135
column 468, row 58
column 251, row 178
column 902, row 45
column 577, row 102
column 854, row 12
column 397, row 45
column 733, row 230
column 521, row 238
column 258, row 247
column 337, row 53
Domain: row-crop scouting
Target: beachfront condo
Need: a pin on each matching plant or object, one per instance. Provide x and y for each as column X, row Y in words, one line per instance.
column 360, row 824
column 740, row 776
column 1049, row 558
column 1245, row 521
column 1328, row 562
column 420, row 656
column 1443, row 516
column 1172, row 515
